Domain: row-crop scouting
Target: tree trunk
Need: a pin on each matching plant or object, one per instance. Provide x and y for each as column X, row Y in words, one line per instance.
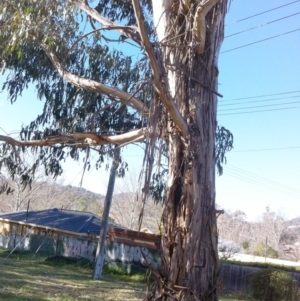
column 190, row 266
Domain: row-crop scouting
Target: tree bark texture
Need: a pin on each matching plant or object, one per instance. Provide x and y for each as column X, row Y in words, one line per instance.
column 190, row 257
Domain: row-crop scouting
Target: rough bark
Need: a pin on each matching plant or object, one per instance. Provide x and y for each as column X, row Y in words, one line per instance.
column 190, row 258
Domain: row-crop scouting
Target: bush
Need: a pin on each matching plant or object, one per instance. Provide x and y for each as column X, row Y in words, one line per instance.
column 260, row 250
column 245, row 245
column 272, row 285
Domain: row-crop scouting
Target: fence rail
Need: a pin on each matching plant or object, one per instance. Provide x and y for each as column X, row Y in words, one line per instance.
column 134, row 238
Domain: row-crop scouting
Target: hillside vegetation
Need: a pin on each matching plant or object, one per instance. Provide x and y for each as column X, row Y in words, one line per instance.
column 125, row 208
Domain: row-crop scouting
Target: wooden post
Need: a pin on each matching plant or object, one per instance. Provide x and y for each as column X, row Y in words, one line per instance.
column 99, row 258
column 266, row 248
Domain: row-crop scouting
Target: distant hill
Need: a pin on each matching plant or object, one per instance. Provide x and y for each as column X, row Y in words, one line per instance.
column 293, row 222
column 125, row 208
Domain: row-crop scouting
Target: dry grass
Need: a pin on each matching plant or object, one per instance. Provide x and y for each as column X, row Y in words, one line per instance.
column 26, row 279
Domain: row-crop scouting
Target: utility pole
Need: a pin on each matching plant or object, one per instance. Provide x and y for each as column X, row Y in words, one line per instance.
column 99, row 258
column 266, row 248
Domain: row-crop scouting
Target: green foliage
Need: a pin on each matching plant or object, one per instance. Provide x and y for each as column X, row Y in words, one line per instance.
column 67, row 108
column 272, row 285
column 260, row 250
column 158, row 186
column 224, row 143
column 245, row 245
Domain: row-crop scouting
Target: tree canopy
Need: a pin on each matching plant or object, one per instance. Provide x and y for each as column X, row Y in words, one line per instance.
column 98, row 94
column 95, row 95
column 92, row 92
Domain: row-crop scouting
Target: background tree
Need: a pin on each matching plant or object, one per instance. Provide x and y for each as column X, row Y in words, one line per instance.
column 251, row 235
column 127, row 205
column 270, row 226
column 96, row 97
column 232, row 226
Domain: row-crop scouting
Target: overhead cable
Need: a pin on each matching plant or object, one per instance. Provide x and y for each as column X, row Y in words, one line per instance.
column 264, row 12
column 246, row 45
column 258, row 96
column 253, row 101
column 248, row 112
column 262, row 106
column 265, row 149
column 259, row 26
column 266, row 186
column 263, row 179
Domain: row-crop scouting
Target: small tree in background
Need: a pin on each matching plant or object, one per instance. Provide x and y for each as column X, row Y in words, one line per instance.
column 262, row 250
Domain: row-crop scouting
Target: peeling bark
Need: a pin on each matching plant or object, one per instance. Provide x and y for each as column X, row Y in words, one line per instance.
column 190, row 258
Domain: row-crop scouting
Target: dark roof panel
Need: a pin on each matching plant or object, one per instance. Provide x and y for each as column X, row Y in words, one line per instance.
column 68, row 220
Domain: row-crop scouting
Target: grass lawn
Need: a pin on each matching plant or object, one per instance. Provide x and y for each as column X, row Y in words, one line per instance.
column 236, row 297
column 23, row 278
column 27, row 279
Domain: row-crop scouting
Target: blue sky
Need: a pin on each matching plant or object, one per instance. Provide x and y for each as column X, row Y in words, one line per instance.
column 254, row 177
column 264, row 68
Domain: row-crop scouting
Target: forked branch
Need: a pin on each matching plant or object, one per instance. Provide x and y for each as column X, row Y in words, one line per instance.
column 199, row 26
column 159, row 75
column 127, row 31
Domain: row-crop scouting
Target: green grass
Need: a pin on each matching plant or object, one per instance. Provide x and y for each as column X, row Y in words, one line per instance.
column 27, row 279
column 23, row 278
column 236, row 297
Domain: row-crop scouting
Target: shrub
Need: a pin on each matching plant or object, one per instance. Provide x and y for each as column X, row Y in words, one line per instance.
column 260, row 250
column 272, row 285
column 245, row 245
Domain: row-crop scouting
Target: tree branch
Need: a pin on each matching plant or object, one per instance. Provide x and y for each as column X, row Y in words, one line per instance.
column 87, row 139
column 94, row 86
column 199, row 25
column 159, row 78
column 127, row 31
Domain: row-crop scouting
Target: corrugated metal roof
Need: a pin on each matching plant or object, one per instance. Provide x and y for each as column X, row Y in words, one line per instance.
column 68, row 220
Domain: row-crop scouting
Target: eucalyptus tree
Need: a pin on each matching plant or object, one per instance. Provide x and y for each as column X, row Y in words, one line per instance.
column 97, row 96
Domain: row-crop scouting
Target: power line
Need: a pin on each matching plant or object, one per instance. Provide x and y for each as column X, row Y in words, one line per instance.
column 266, row 11
column 254, row 101
column 281, row 109
column 261, row 181
column 273, row 188
column 246, row 45
column 262, row 106
column 249, row 97
column 265, row 149
column 261, row 178
column 261, row 25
